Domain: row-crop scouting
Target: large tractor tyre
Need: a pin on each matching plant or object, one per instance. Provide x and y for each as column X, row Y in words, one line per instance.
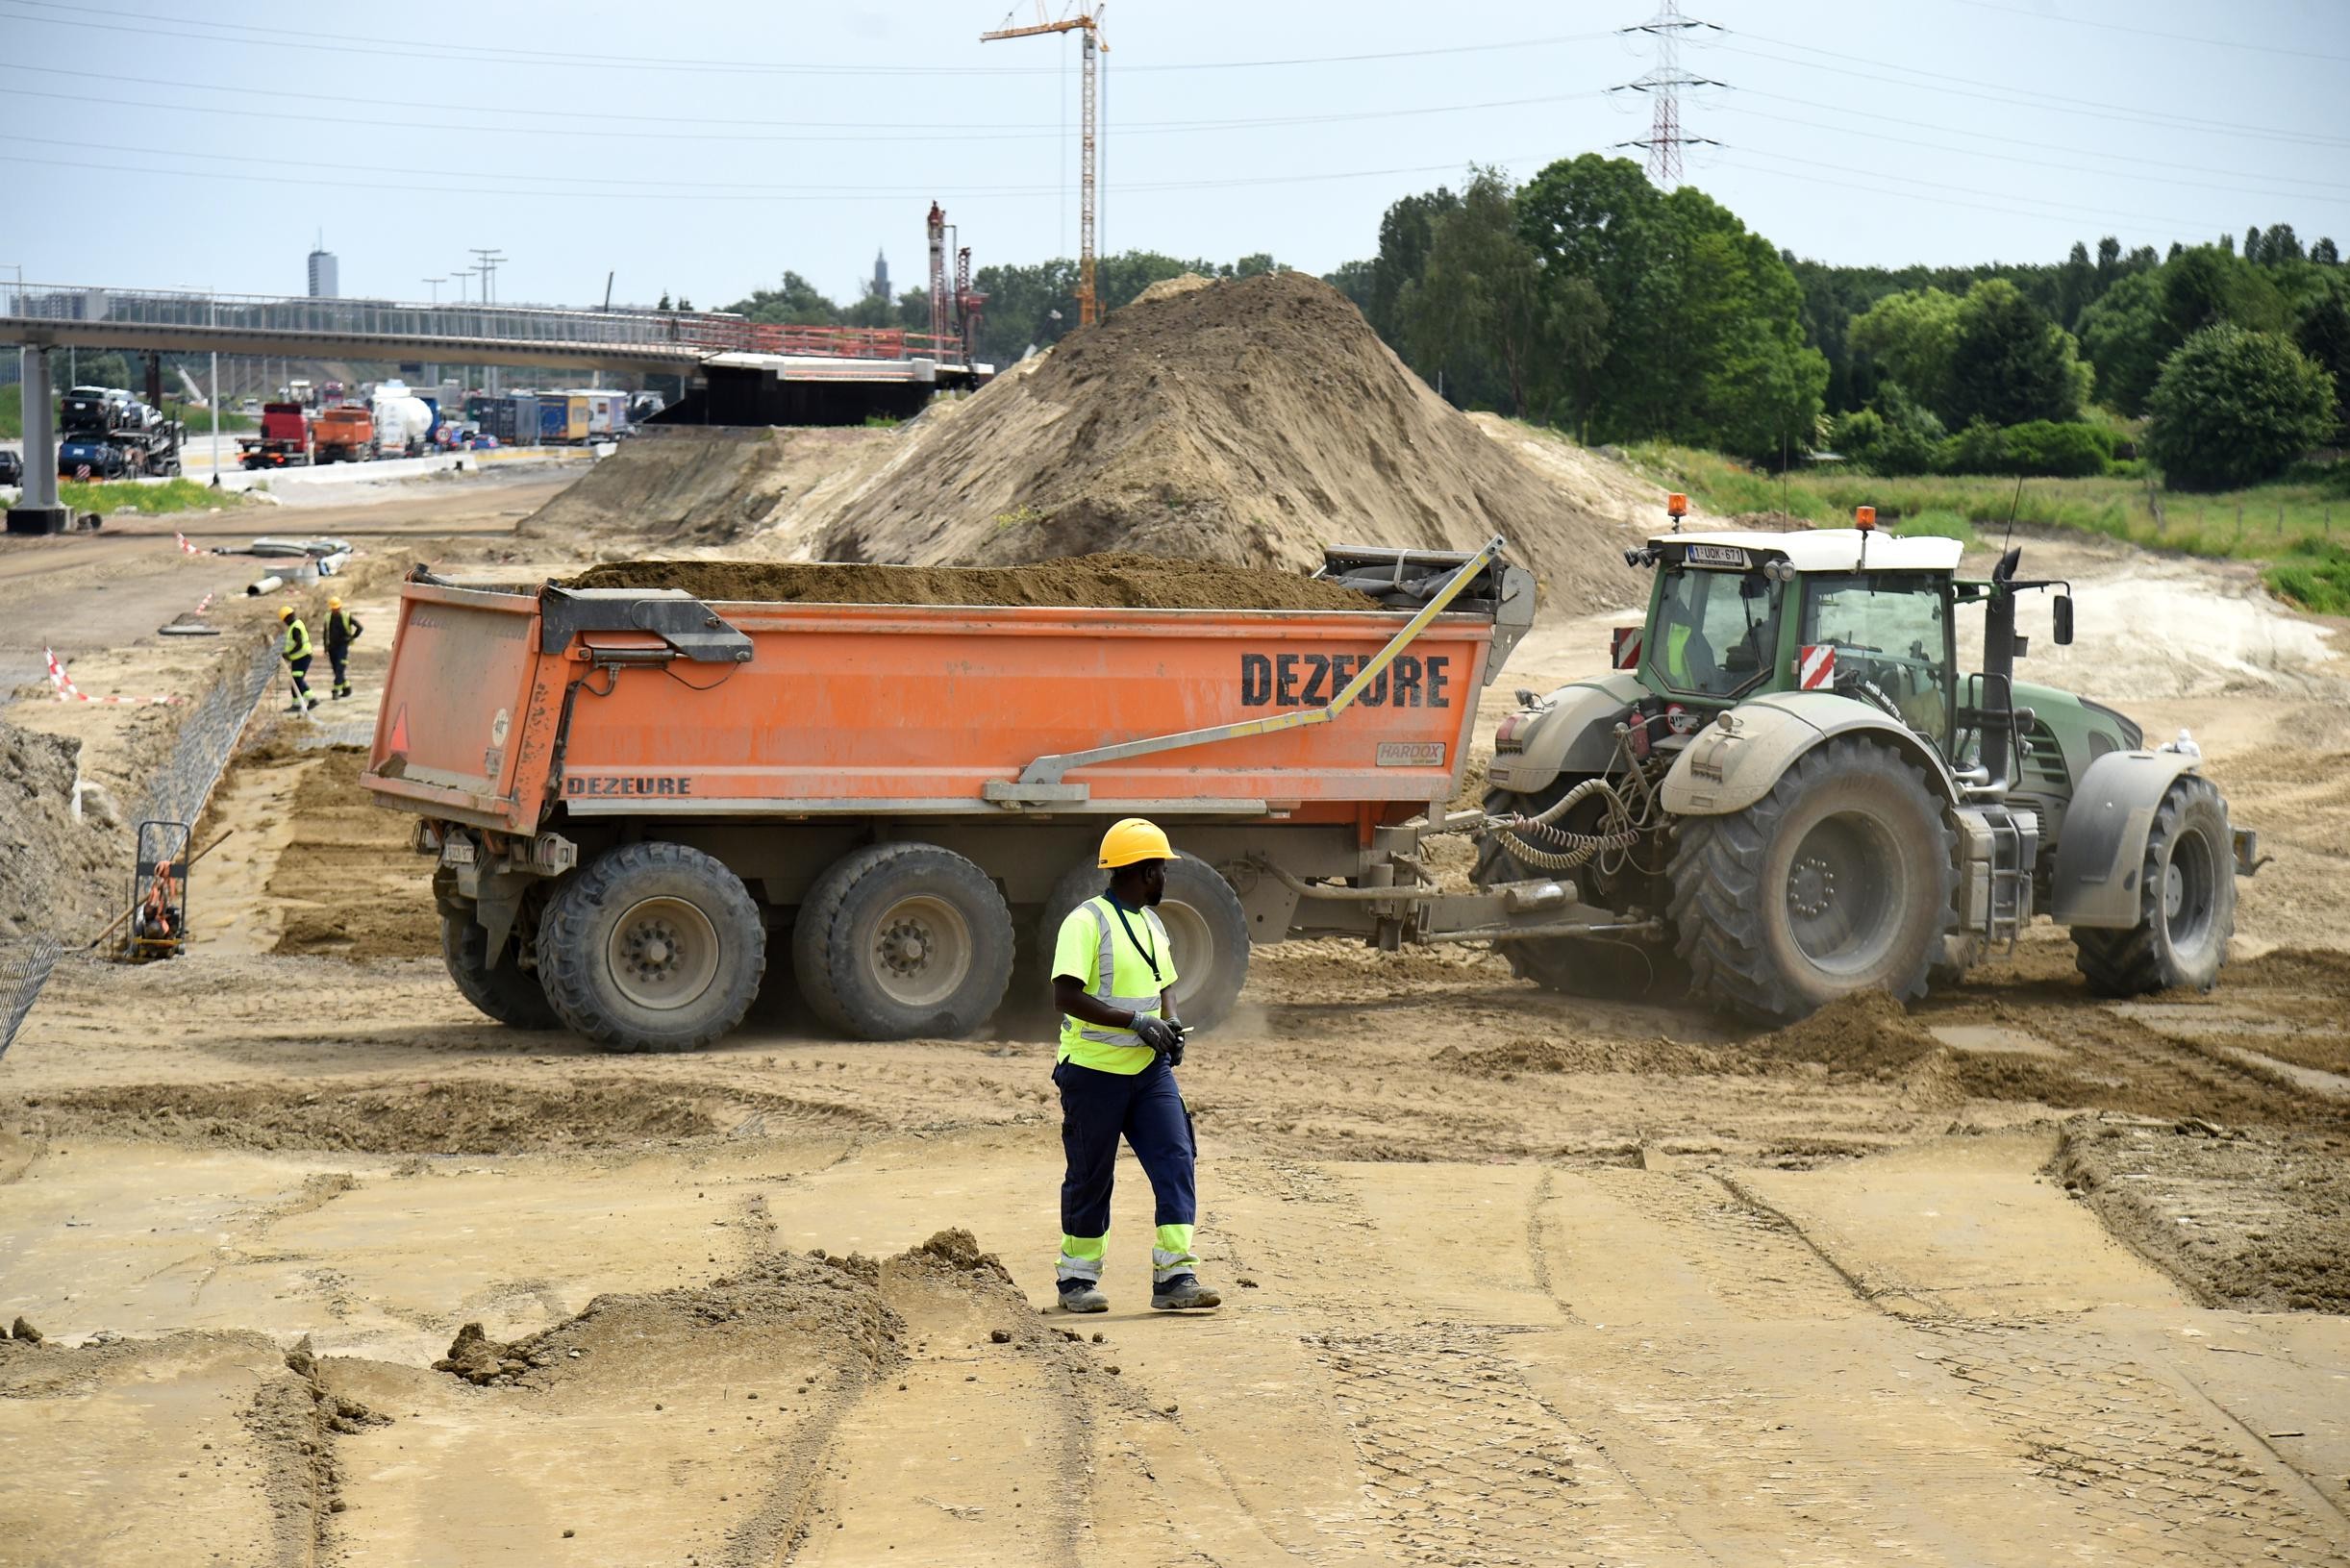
column 1570, row 966
column 1207, row 930
column 1840, row 880
column 2186, row 902
column 900, row 942
column 503, row 990
column 652, row 947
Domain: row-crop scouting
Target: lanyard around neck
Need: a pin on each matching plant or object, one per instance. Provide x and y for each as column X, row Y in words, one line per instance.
column 1150, row 954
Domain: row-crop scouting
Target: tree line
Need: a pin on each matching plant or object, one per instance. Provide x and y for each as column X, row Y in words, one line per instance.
column 1587, row 299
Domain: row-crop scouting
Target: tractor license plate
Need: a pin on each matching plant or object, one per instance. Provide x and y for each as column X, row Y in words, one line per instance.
column 1716, row 555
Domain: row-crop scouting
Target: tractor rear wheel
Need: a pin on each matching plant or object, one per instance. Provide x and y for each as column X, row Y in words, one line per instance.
column 1837, row 881
column 2186, row 902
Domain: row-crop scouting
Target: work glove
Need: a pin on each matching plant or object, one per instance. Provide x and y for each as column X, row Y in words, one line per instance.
column 1161, row 1036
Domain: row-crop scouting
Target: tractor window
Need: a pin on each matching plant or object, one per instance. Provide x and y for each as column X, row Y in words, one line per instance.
column 1717, row 633
column 1893, row 640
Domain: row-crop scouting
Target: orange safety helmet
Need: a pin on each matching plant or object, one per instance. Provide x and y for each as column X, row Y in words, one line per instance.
column 1133, row 839
column 287, row 614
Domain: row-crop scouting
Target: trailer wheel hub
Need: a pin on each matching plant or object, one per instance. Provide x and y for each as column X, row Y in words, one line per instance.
column 662, row 952
column 921, row 951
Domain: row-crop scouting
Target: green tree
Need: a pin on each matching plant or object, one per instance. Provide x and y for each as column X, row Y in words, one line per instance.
column 1353, row 279
column 2323, row 333
column 794, row 302
column 1404, row 234
column 1480, row 296
column 2236, row 408
column 1908, row 338
column 2323, row 253
column 2010, row 363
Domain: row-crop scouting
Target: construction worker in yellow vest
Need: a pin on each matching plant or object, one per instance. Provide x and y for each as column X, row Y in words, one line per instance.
column 1113, row 974
column 296, row 652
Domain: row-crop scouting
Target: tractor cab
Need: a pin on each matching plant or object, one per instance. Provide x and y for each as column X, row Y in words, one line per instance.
column 1735, row 616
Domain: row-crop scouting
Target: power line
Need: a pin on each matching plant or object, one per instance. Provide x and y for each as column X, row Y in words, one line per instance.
column 1876, row 122
column 2025, row 98
column 2168, row 176
column 144, row 23
column 1144, row 128
column 2151, row 33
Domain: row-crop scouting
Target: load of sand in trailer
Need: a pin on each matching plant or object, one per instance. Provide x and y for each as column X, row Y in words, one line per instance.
column 1249, row 422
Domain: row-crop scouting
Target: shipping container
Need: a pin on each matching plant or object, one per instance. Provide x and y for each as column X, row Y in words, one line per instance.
column 563, row 418
column 607, row 412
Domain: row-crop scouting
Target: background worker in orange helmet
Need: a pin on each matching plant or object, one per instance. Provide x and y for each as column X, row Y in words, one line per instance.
column 1113, row 971
column 343, row 628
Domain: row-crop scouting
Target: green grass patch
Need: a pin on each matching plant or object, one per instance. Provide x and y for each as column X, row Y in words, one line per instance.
column 2315, row 576
column 1941, row 525
column 125, row 495
column 2267, row 522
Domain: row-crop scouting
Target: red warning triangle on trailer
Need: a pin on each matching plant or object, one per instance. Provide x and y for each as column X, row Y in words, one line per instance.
column 399, row 730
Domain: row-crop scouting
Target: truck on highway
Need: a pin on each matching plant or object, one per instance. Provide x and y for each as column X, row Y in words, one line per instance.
column 562, row 418
column 403, row 425
column 343, row 434
column 284, row 441
column 105, row 432
column 636, row 797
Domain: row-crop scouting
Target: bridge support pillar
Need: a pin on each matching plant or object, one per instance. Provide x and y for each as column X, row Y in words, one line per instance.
column 36, row 511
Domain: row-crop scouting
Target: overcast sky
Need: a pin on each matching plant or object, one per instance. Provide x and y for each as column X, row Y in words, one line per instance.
column 704, row 146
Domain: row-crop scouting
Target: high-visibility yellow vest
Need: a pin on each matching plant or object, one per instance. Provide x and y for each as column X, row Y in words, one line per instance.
column 1095, row 947
column 298, row 640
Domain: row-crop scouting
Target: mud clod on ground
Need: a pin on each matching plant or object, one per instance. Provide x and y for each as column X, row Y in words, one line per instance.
column 1117, row 580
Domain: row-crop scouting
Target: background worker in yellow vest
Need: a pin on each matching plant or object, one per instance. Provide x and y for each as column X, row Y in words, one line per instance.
column 1114, row 972
column 296, row 652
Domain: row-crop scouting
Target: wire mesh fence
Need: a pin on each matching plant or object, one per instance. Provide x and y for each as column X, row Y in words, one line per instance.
column 24, row 969
column 206, row 738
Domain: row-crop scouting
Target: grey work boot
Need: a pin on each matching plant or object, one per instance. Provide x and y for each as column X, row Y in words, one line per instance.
column 1083, row 1296
column 1181, row 1294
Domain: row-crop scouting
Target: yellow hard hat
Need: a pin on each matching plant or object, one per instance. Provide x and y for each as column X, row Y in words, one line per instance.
column 334, row 603
column 1133, row 839
column 285, row 614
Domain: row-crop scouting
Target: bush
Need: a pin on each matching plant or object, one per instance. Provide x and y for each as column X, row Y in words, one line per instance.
column 2048, row 449
column 2235, row 407
column 1981, row 448
column 1938, row 523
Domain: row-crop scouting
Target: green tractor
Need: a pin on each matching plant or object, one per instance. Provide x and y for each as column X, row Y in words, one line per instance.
column 1786, row 790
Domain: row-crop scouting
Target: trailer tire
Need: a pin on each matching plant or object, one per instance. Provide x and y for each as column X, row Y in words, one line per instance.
column 1757, row 910
column 902, row 941
column 1207, row 929
column 2187, row 910
column 652, row 947
column 502, row 990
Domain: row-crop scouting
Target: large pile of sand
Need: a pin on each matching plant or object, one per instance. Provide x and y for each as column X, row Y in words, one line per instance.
column 1251, row 422
column 1125, row 582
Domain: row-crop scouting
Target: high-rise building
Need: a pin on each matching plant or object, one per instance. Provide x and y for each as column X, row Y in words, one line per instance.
column 323, row 282
column 879, row 288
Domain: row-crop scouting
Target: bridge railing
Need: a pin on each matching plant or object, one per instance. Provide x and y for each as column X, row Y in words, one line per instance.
column 705, row 330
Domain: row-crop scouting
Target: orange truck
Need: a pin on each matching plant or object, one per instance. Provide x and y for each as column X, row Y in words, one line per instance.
column 638, row 800
column 343, row 434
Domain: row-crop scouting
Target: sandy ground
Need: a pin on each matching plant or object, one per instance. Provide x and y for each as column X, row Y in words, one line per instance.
column 2016, row 1278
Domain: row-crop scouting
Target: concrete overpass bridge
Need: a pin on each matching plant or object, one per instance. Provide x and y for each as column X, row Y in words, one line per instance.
column 750, row 373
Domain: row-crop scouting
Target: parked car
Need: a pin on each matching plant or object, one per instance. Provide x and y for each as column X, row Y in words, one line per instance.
column 11, row 468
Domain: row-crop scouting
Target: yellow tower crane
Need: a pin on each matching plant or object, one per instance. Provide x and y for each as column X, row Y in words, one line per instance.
column 1089, row 24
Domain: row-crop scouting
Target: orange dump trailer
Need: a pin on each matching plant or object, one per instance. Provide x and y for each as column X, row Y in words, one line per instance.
column 640, row 799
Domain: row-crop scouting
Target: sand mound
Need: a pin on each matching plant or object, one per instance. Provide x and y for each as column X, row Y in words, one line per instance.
column 54, row 870
column 1129, row 581
column 1528, row 1054
column 1250, row 422
column 1865, row 1033
column 702, row 486
column 1169, row 287
column 836, row 1301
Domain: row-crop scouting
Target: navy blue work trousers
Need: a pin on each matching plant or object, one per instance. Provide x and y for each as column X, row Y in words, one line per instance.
column 1146, row 1110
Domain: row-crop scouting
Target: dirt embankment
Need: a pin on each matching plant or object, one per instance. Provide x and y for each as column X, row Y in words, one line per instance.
column 351, row 886
column 703, row 486
column 1117, row 580
column 1252, row 422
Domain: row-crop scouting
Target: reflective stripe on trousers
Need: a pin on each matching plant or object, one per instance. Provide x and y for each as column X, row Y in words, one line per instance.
column 1081, row 1257
column 1106, row 976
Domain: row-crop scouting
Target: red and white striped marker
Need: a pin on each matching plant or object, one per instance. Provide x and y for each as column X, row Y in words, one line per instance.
column 186, row 548
column 204, row 604
column 68, row 693
column 1815, row 667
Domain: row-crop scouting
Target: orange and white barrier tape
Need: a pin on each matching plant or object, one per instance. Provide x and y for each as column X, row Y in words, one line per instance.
column 68, row 693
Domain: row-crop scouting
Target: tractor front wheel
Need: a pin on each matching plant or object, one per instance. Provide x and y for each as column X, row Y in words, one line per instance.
column 2186, row 909
column 1837, row 881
